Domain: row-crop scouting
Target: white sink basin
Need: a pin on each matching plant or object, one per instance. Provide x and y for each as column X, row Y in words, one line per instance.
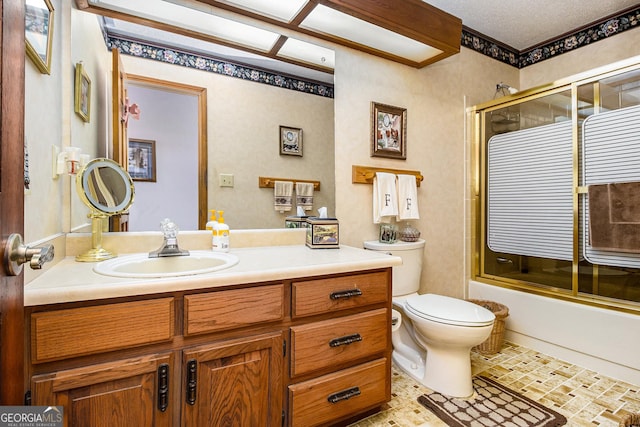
column 141, row 266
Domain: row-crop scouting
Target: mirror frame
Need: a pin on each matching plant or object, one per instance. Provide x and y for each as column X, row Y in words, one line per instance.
column 82, row 186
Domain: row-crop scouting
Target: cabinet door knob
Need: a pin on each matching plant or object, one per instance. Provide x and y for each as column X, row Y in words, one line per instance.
column 346, row 340
column 345, row 294
column 344, row 395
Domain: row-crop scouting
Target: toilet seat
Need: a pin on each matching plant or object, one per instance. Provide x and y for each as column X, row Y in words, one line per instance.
column 452, row 311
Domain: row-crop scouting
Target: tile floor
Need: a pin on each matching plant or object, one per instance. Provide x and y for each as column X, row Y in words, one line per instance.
column 585, row 397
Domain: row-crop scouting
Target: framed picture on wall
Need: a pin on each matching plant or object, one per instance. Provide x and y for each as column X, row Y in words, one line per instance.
column 290, row 141
column 388, row 131
column 82, row 104
column 38, row 33
column 142, row 160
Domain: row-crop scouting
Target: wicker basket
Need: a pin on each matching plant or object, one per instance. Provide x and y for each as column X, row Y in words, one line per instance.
column 630, row 420
column 493, row 344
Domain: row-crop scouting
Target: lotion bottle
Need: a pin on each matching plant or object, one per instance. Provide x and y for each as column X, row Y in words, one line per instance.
column 222, row 234
column 212, row 220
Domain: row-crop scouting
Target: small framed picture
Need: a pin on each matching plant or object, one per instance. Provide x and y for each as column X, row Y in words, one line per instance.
column 82, row 104
column 388, row 131
column 290, row 141
column 142, row 160
column 38, row 21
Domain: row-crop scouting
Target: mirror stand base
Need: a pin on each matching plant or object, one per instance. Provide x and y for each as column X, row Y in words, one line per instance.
column 94, row 255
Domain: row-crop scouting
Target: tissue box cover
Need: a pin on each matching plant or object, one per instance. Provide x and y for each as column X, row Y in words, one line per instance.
column 323, row 232
column 296, row 222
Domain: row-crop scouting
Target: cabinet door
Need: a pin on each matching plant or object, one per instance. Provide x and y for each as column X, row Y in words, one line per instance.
column 234, row 383
column 132, row 392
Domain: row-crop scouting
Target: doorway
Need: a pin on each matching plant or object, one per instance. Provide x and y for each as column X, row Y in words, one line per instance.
column 171, row 130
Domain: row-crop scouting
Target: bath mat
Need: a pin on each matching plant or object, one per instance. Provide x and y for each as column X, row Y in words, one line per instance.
column 494, row 405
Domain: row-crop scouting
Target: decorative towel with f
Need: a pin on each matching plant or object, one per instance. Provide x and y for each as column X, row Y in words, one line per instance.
column 282, row 195
column 407, row 198
column 385, row 197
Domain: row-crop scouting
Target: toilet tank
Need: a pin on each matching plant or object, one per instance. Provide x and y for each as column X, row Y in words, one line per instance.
column 406, row 277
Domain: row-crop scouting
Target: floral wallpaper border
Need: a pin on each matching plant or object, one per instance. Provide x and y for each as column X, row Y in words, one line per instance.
column 520, row 59
column 470, row 39
column 191, row 60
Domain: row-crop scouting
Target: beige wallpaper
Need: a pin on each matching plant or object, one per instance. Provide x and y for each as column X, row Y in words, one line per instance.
column 437, row 141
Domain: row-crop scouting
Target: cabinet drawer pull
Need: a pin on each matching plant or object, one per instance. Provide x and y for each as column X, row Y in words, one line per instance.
column 344, row 395
column 345, row 294
column 163, row 387
column 192, row 381
column 346, row 340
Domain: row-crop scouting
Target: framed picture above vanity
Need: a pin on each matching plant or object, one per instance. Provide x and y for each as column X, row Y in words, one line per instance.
column 39, row 33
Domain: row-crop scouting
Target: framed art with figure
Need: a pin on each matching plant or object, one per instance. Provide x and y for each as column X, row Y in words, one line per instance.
column 388, row 131
column 142, row 160
column 82, row 104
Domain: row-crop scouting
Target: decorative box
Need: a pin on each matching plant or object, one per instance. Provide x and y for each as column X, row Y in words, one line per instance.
column 295, row 222
column 323, row 232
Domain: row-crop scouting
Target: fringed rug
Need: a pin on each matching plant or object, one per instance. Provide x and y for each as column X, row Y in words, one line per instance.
column 492, row 405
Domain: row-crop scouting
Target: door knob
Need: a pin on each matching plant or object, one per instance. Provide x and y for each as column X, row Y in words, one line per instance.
column 17, row 253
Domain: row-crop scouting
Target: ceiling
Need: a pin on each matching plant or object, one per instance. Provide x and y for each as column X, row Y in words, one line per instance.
column 281, row 25
column 521, row 24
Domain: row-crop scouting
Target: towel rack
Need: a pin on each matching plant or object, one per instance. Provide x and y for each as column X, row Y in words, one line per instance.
column 365, row 174
column 266, row 182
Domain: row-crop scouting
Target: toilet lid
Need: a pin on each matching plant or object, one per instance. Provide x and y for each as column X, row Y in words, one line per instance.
column 454, row 311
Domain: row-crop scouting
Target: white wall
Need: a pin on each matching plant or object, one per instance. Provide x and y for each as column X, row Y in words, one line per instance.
column 602, row 340
column 171, row 120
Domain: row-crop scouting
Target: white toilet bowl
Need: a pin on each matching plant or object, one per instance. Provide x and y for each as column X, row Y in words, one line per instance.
column 446, row 328
column 433, row 334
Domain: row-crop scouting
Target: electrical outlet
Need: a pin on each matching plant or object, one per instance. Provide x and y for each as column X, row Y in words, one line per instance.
column 226, row 180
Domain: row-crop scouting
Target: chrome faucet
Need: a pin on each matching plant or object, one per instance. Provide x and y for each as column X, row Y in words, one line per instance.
column 170, row 245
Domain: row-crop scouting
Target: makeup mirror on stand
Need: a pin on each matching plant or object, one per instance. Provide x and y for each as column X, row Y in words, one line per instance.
column 107, row 189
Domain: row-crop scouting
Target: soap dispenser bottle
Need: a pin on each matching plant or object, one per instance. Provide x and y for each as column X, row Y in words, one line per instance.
column 221, row 235
column 212, row 220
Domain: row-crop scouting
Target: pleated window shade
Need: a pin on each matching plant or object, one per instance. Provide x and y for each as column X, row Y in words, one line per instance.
column 530, row 188
column 610, row 153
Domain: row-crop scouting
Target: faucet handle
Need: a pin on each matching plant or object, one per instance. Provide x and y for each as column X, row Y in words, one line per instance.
column 169, row 228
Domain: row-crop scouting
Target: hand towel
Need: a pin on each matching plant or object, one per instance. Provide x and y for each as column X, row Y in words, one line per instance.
column 304, row 195
column 282, row 195
column 407, row 198
column 385, row 197
column 614, row 217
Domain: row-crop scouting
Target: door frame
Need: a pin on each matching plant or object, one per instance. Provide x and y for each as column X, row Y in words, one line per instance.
column 13, row 380
column 201, row 94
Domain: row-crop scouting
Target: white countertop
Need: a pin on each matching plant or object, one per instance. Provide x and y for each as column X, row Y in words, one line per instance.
column 70, row 281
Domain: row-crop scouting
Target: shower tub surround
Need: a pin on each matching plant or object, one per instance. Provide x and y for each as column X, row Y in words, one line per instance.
column 293, row 335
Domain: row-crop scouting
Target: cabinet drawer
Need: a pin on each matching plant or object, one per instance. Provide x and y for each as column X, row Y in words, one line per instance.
column 334, row 396
column 215, row 311
column 318, row 345
column 73, row 332
column 338, row 293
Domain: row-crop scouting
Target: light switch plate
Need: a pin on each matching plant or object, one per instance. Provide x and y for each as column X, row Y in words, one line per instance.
column 226, row 180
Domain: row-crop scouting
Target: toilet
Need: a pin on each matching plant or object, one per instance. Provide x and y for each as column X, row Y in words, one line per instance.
column 432, row 335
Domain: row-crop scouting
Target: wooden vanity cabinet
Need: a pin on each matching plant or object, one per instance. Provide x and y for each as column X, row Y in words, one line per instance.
column 340, row 362
column 297, row 352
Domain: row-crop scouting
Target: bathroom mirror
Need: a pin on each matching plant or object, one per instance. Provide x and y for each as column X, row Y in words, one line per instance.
column 105, row 187
column 242, row 132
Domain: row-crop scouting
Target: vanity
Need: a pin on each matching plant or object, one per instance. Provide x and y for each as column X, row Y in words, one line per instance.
column 288, row 336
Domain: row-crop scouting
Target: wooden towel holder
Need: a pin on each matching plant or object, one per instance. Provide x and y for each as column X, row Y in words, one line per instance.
column 266, row 182
column 365, row 174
